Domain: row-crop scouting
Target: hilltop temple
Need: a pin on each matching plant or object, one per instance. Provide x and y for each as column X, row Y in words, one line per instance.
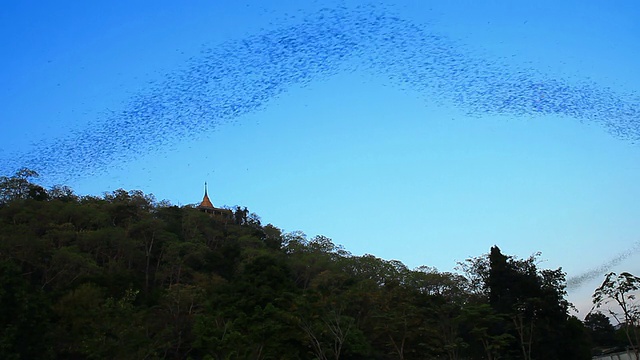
column 207, row 206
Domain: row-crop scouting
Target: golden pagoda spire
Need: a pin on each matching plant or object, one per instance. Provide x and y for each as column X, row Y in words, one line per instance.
column 206, row 203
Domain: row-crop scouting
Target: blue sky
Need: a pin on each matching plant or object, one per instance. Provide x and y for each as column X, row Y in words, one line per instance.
column 472, row 124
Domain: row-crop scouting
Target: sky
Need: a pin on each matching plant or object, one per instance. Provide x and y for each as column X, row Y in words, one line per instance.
column 425, row 132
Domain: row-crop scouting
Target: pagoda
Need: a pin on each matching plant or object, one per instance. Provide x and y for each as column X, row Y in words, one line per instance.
column 207, row 206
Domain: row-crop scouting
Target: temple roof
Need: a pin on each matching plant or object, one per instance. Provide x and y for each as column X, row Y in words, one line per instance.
column 206, row 203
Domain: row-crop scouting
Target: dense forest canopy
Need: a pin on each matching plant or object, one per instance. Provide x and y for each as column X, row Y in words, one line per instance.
column 123, row 276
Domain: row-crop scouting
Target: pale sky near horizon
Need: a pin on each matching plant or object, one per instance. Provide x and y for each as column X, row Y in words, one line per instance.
column 419, row 131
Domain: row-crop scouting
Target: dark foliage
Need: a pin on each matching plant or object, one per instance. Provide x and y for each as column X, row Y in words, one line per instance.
column 121, row 276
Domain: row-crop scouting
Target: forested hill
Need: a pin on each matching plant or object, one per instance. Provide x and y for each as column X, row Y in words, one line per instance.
column 124, row 277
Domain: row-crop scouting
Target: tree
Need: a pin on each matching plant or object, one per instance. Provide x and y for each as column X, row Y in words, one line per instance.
column 482, row 321
column 534, row 301
column 601, row 331
column 272, row 237
column 62, row 193
column 442, row 295
column 19, row 186
column 24, row 316
column 396, row 320
column 91, row 326
column 326, row 319
column 621, row 291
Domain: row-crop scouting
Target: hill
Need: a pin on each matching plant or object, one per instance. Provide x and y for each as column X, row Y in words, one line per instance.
column 124, row 276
